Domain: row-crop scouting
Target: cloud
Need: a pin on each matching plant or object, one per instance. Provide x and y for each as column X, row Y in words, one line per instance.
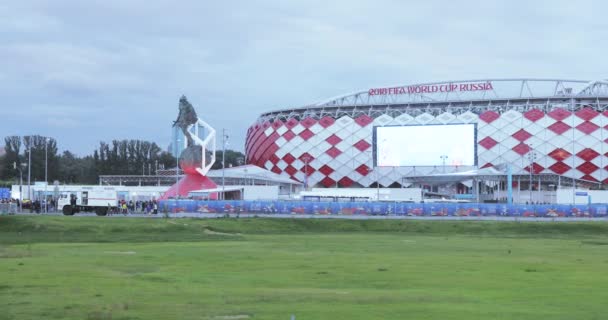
column 116, row 69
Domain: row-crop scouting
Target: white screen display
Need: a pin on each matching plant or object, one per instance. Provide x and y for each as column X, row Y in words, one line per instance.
column 425, row 145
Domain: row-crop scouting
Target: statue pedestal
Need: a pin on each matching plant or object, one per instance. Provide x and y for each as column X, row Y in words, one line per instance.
column 190, row 182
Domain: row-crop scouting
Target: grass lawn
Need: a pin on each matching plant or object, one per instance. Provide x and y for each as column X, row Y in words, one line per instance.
column 123, row 268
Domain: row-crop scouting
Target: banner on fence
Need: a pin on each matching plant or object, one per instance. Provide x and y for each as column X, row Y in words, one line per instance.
column 384, row 208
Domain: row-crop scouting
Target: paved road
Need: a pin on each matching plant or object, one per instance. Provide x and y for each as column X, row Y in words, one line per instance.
column 349, row 217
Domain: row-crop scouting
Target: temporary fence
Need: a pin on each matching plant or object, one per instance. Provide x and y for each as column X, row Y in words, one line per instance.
column 384, row 208
column 8, row 208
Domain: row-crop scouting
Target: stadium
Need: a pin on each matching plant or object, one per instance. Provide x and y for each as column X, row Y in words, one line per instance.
column 395, row 136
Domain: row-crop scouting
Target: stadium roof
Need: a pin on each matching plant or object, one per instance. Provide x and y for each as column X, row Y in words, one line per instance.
column 250, row 171
column 459, row 91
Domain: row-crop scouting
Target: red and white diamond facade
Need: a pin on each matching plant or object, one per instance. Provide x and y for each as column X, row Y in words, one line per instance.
column 564, row 123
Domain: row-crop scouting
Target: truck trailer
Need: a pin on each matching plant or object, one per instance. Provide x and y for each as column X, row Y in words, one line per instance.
column 88, row 199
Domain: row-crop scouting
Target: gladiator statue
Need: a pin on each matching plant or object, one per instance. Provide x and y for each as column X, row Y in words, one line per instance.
column 187, row 117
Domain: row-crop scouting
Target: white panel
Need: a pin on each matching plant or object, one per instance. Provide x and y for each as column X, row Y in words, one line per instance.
column 281, row 130
column 404, row 119
column 445, row 118
column 316, row 128
column 510, row 128
column 280, row 142
column 344, row 121
column 508, row 143
column 534, row 129
column 323, row 135
column 468, row 117
column 297, row 129
column 269, row 131
column 545, row 121
column 268, row 165
column 322, row 146
column 424, row 118
column 511, row 115
column 296, row 141
column 383, row 120
column 281, row 152
column 282, row 165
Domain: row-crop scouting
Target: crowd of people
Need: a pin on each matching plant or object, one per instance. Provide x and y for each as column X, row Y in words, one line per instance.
column 36, row 206
column 148, row 207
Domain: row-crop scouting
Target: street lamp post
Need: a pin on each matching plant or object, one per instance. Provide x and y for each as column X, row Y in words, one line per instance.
column 20, row 183
column 443, row 159
column 29, row 167
column 306, row 160
column 224, row 138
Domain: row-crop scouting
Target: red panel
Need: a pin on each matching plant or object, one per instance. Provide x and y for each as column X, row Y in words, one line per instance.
column 326, row 121
column 587, row 154
column 362, row 145
column 291, row 123
column 521, row 135
column 487, row 143
column 310, row 170
column 534, row 115
column 559, row 154
column 328, row 182
column 288, row 158
column 521, row 149
column 326, row 170
column 288, row 135
column 587, row 127
column 559, row 167
column 559, row 127
column 274, row 159
column 277, row 124
column 276, row 170
column 364, row 120
column 346, row 182
column 308, row 122
column 487, row 165
column 589, row 178
column 559, row 114
column 587, row 167
column 333, row 140
column 306, row 134
column 363, row 170
column 266, row 125
column 586, row 113
column 536, row 168
column 291, row 170
column 333, row 152
column 304, row 157
column 489, row 116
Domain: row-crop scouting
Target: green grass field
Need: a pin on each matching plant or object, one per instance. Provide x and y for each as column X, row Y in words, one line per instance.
column 123, row 268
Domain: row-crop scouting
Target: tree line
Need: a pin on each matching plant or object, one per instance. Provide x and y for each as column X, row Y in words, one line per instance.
column 119, row 157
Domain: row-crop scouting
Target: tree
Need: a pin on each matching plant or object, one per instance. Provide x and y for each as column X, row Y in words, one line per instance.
column 12, row 148
column 233, row 159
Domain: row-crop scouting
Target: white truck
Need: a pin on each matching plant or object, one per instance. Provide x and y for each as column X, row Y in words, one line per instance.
column 87, row 199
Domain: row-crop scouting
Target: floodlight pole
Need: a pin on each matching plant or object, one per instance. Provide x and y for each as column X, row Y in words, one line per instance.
column 443, row 159
column 46, row 174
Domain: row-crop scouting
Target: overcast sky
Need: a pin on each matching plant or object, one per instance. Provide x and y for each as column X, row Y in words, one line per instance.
column 85, row 71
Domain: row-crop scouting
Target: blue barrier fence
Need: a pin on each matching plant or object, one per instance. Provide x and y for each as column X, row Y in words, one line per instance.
column 5, row 193
column 384, row 208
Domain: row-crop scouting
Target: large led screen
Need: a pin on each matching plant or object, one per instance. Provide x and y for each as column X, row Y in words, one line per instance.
column 425, row 145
